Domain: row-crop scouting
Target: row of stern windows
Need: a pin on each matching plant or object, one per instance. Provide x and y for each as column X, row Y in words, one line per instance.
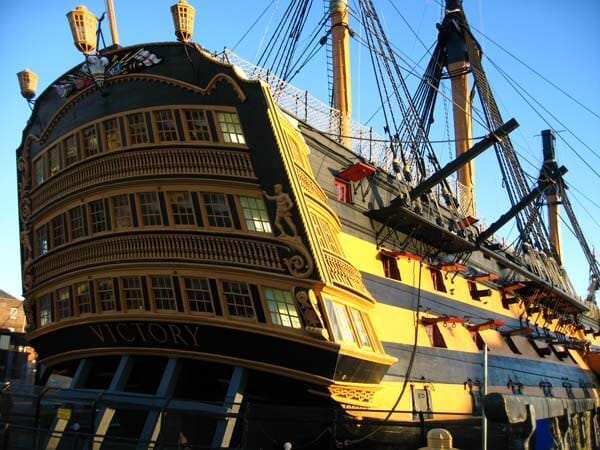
column 179, row 209
column 139, row 128
column 195, row 295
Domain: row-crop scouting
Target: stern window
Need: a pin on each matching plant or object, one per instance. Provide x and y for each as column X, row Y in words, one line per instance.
column 53, row 160
column 340, row 321
column 91, row 146
column 181, row 208
column 239, row 301
column 82, row 296
column 122, row 211
column 197, row 125
column 165, row 125
column 282, row 308
column 255, row 213
column 112, row 134
column 71, row 151
column 45, row 310
column 77, row 220
column 231, row 128
column 43, row 244
column 132, row 293
column 198, row 295
column 138, row 134
column 164, row 297
column 106, row 294
column 217, row 210
column 361, row 329
column 64, row 303
column 150, row 208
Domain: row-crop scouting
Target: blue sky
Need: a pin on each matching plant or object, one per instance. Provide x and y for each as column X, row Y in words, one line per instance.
column 559, row 40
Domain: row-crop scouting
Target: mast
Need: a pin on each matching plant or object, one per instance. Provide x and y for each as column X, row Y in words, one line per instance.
column 553, row 195
column 114, row 33
column 342, row 94
column 458, row 69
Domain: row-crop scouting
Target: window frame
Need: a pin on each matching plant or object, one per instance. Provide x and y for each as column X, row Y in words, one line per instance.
column 79, row 296
column 40, row 170
column 175, row 215
column 116, row 209
column 209, row 217
column 42, row 248
column 158, row 122
column 190, row 134
column 126, row 290
column 83, row 216
column 64, row 309
column 141, row 205
column 44, row 314
column 100, row 301
column 54, row 162
column 109, row 132
column 189, row 301
column 341, row 322
column 263, row 213
column 343, row 191
column 57, row 238
column 65, row 150
column 230, row 294
column 171, row 288
column 98, row 217
column 235, row 127
column 289, row 303
column 135, row 138
column 85, row 140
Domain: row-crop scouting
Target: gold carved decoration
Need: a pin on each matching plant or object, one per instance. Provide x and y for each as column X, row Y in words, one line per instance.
column 352, row 396
column 300, row 265
column 283, row 212
column 308, row 306
column 25, row 211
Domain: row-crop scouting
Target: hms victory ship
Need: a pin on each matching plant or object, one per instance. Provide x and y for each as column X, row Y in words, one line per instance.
column 212, row 258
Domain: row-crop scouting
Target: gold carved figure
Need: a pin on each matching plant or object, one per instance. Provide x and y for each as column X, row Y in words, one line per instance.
column 283, row 212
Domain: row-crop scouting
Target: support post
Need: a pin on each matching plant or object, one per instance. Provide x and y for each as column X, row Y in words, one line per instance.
column 106, row 414
column 63, row 415
column 154, row 418
column 233, row 400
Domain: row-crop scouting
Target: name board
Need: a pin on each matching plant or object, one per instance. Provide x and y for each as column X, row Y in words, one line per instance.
column 145, row 333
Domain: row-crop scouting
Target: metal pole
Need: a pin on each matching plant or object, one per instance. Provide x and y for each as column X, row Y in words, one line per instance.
column 484, row 392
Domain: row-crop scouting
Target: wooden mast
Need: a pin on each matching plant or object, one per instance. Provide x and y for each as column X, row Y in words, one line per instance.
column 342, row 95
column 553, row 196
column 114, row 33
column 458, row 68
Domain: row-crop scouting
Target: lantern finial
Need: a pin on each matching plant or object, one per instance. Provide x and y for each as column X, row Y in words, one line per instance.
column 83, row 25
column 183, row 18
column 28, row 83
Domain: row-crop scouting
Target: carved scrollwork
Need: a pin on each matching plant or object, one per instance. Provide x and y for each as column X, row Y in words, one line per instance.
column 299, row 265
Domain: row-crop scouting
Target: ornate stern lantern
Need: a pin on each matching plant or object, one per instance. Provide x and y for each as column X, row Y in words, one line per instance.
column 83, row 27
column 28, row 84
column 183, row 19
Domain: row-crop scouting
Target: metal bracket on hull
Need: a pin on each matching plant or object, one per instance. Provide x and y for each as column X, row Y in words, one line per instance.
column 521, row 413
